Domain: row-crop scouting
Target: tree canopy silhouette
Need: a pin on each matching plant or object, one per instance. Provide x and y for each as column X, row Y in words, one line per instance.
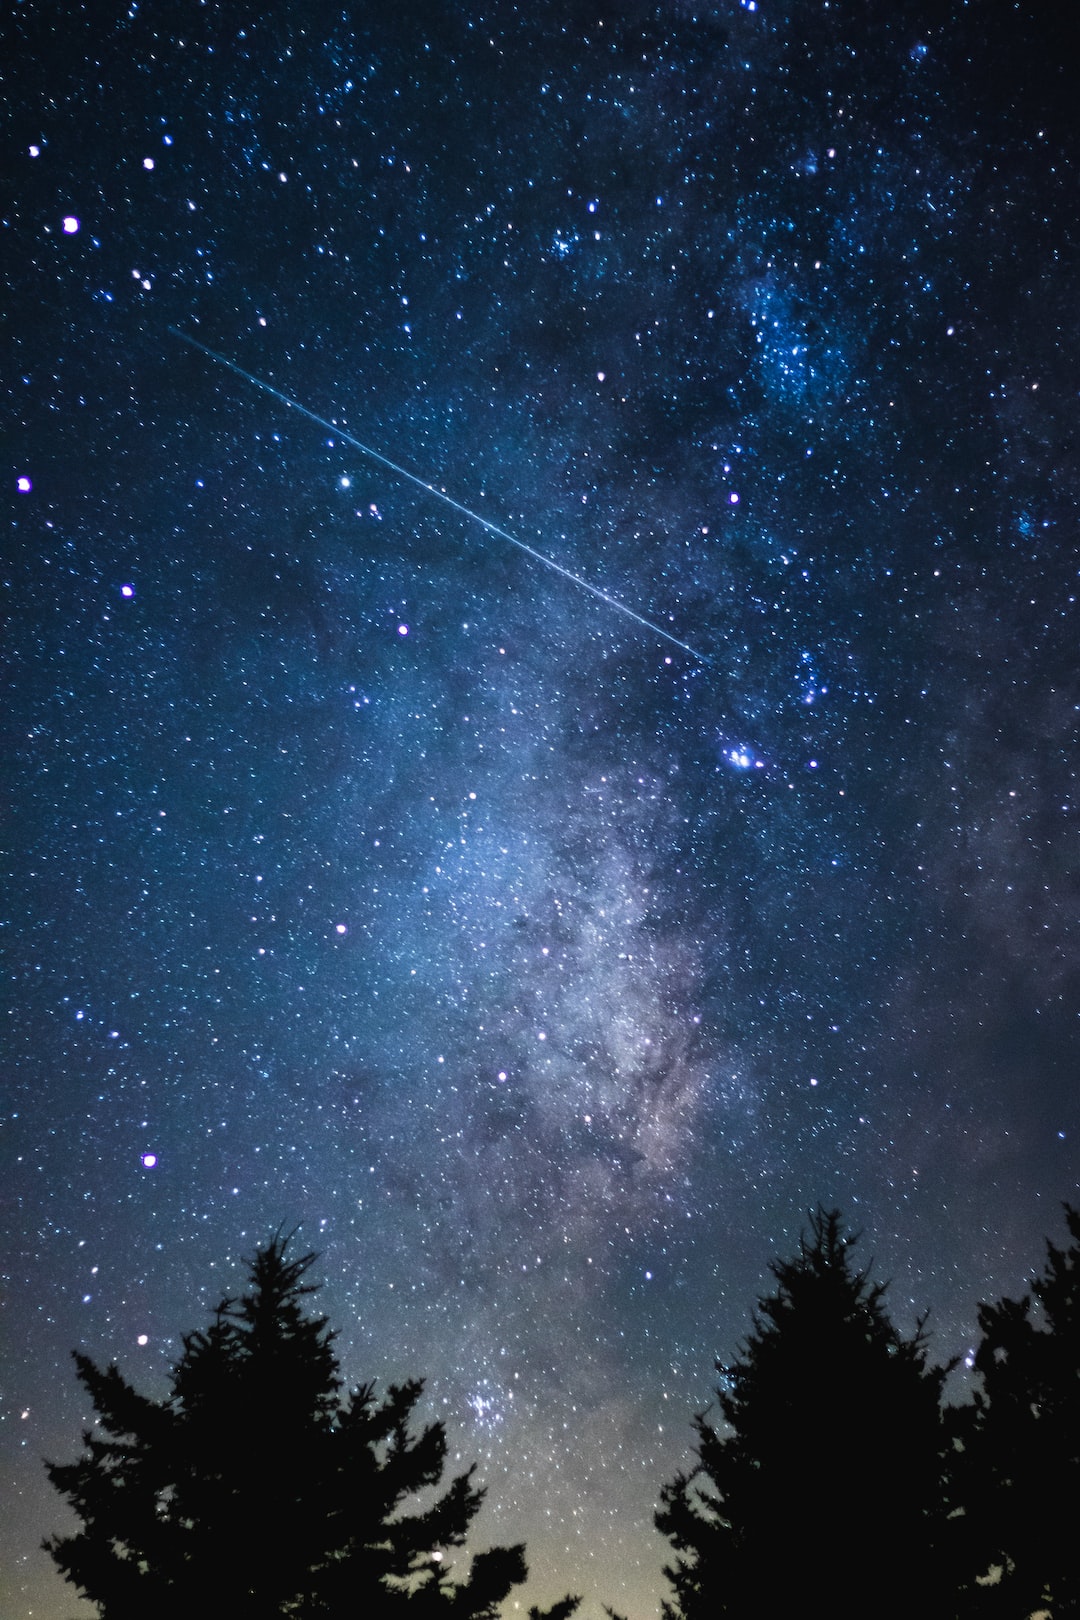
column 1021, row 1445
column 257, row 1490
column 822, row 1492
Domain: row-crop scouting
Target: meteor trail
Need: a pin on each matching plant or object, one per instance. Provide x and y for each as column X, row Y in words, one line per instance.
column 465, row 511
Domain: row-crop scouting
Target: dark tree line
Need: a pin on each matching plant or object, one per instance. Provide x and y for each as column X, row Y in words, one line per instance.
column 837, row 1481
column 831, row 1478
column 256, row 1489
column 1020, row 1480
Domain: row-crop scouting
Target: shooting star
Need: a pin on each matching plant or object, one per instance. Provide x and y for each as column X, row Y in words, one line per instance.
column 440, row 495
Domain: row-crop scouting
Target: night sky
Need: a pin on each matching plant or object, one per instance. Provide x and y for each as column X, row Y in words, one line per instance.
column 365, row 873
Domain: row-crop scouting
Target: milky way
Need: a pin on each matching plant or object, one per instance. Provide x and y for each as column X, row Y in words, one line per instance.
column 367, row 874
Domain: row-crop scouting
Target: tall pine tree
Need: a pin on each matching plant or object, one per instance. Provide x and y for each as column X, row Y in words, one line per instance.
column 256, row 1490
column 1022, row 1446
column 821, row 1492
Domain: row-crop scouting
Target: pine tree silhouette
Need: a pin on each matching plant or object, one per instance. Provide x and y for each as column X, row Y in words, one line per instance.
column 822, row 1492
column 256, row 1490
column 1021, row 1446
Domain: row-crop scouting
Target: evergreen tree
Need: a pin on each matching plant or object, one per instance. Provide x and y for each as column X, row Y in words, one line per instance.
column 1022, row 1446
column 822, row 1494
column 256, row 1490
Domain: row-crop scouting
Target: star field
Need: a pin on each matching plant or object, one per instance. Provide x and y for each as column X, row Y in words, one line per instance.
column 363, row 872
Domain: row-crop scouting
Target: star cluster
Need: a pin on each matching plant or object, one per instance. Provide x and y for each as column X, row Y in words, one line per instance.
column 367, row 874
